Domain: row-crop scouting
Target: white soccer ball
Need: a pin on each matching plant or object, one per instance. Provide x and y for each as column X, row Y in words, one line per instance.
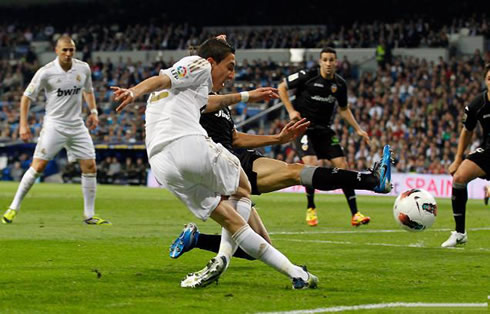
column 415, row 210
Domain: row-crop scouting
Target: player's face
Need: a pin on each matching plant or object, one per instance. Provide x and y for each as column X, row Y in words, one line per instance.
column 65, row 51
column 328, row 64
column 223, row 71
column 487, row 80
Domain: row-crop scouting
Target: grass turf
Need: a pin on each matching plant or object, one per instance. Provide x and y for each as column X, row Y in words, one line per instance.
column 51, row 262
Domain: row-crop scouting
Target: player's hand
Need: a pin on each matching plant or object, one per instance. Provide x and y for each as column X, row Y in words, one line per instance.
column 262, row 93
column 294, row 115
column 123, row 95
column 92, row 121
column 454, row 166
column 364, row 136
column 25, row 133
column 292, row 130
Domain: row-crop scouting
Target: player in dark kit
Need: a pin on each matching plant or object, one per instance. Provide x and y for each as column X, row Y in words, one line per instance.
column 318, row 94
column 267, row 175
column 476, row 164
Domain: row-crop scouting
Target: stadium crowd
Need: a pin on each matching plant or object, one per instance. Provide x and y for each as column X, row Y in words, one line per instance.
column 410, row 32
column 414, row 105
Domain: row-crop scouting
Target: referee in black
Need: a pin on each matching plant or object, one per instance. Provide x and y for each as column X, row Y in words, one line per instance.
column 319, row 92
column 476, row 164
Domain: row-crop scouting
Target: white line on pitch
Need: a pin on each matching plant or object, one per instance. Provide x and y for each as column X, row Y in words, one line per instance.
column 368, row 231
column 379, row 306
column 417, row 245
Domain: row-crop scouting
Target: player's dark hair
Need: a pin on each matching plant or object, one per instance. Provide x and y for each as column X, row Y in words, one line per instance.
column 328, row 50
column 215, row 48
column 487, row 68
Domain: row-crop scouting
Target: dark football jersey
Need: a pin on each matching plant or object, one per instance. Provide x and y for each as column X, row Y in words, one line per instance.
column 479, row 111
column 317, row 98
column 219, row 126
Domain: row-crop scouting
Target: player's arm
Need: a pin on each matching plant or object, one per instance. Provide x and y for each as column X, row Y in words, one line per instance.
column 463, row 142
column 93, row 118
column 284, row 96
column 218, row 102
column 24, row 130
column 30, row 94
column 347, row 115
column 128, row 95
column 288, row 133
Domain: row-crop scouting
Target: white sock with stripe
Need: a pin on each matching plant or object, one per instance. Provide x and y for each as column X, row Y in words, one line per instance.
column 255, row 246
column 25, row 185
column 89, row 188
column 227, row 245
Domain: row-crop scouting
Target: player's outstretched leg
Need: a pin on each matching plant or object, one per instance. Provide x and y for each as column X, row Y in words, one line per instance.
column 25, row 185
column 185, row 242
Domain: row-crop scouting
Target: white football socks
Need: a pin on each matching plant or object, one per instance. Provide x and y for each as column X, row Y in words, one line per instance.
column 255, row 246
column 89, row 188
column 227, row 245
column 25, row 185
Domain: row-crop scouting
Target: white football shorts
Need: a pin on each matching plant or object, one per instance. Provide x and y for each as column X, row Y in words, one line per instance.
column 198, row 171
column 77, row 142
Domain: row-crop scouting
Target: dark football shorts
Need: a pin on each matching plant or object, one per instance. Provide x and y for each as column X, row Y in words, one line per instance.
column 323, row 145
column 247, row 158
column 481, row 157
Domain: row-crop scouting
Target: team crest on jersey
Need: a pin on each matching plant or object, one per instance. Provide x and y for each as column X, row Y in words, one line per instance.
column 333, row 88
column 78, row 78
column 31, row 88
column 181, row 71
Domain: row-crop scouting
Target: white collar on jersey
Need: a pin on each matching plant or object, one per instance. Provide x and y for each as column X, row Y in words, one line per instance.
column 58, row 66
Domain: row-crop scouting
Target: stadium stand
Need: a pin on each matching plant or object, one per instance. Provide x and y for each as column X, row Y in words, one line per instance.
column 413, row 104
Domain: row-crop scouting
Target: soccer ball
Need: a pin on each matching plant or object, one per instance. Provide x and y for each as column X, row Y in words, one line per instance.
column 415, row 210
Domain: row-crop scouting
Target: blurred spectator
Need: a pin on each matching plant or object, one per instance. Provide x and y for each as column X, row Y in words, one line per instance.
column 411, row 103
column 16, row 171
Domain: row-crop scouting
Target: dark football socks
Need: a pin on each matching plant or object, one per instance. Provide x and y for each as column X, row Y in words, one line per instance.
column 210, row 242
column 459, row 199
column 350, row 195
column 310, row 196
column 334, row 178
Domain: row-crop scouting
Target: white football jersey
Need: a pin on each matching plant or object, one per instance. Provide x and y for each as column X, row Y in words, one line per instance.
column 63, row 90
column 175, row 112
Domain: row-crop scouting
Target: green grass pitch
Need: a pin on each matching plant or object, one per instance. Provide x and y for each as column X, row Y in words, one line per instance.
column 51, row 262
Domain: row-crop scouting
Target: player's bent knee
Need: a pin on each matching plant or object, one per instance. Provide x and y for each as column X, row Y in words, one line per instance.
column 243, row 192
column 459, row 178
column 39, row 165
column 88, row 166
column 294, row 171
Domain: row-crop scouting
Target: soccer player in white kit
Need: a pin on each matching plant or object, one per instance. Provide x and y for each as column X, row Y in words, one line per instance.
column 64, row 81
column 194, row 168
